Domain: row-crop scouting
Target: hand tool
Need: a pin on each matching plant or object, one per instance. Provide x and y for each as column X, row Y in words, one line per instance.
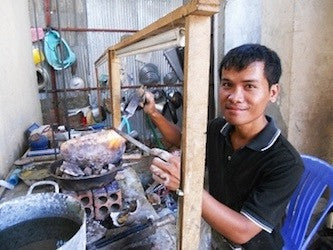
column 136, row 99
column 162, row 154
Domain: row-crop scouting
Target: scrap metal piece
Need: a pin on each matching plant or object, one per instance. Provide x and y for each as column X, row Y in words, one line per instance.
column 106, row 241
column 172, row 56
column 135, row 233
column 135, row 100
column 149, row 74
column 127, row 215
column 71, row 169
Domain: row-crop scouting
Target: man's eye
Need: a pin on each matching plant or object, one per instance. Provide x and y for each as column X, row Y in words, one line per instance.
column 249, row 86
column 225, row 84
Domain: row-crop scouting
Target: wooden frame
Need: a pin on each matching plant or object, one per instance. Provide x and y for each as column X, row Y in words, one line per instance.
column 196, row 17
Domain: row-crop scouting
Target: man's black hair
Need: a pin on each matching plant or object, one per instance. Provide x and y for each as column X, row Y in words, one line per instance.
column 241, row 57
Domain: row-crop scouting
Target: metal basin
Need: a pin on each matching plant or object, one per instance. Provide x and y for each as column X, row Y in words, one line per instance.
column 42, row 221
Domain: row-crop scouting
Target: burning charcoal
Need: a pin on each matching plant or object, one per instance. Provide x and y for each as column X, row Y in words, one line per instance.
column 87, row 171
column 99, row 166
column 71, row 169
column 58, row 172
column 111, row 166
column 96, row 171
column 104, row 171
column 96, row 149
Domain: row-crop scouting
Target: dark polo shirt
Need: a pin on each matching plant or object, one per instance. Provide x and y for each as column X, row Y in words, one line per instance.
column 256, row 180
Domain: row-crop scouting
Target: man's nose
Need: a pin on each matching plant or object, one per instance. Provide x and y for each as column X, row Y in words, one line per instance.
column 236, row 95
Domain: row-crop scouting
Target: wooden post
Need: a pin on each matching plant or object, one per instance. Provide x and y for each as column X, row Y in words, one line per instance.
column 196, row 82
column 196, row 16
column 99, row 103
column 114, row 86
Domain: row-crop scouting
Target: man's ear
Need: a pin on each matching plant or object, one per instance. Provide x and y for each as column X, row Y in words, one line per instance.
column 274, row 92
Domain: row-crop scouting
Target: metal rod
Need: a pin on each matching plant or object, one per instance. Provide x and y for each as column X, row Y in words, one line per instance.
column 55, row 101
column 47, row 15
column 102, row 59
column 152, row 86
column 123, row 87
column 80, row 89
column 74, row 29
column 61, row 47
column 54, row 127
column 47, row 10
column 98, row 89
column 36, row 29
column 135, row 229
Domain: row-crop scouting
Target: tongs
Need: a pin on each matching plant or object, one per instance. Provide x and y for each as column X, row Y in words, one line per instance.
column 160, row 153
column 164, row 155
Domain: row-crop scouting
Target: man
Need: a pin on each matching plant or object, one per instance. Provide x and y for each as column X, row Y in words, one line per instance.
column 253, row 170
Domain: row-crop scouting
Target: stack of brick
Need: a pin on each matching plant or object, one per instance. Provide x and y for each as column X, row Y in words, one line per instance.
column 107, row 200
column 86, row 199
column 114, row 195
column 99, row 203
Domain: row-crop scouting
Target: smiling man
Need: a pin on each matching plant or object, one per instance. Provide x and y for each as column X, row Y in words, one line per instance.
column 253, row 170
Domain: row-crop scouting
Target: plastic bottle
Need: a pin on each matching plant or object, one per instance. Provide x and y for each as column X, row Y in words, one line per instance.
column 13, row 179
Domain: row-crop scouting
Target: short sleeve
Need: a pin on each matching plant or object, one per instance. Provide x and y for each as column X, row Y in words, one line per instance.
column 267, row 202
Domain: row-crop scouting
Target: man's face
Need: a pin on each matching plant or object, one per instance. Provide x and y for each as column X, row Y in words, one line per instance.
column 245, row 94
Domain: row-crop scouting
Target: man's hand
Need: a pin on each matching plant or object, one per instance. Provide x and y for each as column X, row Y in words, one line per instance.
column 167, row 173
column 149, row 106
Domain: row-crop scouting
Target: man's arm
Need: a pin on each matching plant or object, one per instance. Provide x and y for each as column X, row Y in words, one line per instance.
column 170, row 131
column 231, row 224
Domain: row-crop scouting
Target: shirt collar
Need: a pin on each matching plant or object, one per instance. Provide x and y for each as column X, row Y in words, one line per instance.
column 264, row 140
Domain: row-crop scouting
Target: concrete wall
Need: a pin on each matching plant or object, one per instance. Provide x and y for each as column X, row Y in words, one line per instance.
column 241, row 22
column 302, row 33
column 277, row 33
column 19, row 101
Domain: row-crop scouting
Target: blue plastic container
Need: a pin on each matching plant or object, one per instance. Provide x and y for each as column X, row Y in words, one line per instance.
column 31, row 128
column 38, row 142
column 14, row 177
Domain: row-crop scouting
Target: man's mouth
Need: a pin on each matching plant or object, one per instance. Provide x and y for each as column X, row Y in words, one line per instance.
column 235, row 108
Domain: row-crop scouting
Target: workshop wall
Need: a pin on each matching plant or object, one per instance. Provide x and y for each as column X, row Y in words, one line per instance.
column 20, row 105
column 242, row 22
column 302, row 33
column 112, row 19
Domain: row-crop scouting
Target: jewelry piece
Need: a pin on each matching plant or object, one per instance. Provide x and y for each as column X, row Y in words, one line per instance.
column 179, row 192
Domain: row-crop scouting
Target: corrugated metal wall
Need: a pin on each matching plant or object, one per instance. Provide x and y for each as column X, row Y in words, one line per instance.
column 125, row 14
column 129, row 14
column 88, row 46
